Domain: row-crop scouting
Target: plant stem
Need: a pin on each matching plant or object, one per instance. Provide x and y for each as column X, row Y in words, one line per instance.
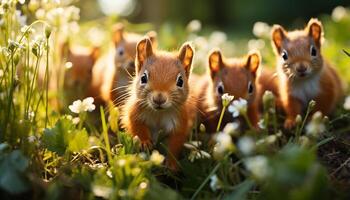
column 220, row 119
column 206, row 180
column 47, row 82
column 105, row 135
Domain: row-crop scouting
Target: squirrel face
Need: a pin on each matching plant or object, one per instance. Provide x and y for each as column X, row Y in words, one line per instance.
column 125, row 44
column 80, row 73
column 161, row 80
column 233, row 76
column 299, row 52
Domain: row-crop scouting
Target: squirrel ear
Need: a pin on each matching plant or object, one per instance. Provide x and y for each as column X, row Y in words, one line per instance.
column 95, row 53
column 314, row 29
column 253, row 61
column 118, row 32
column 143, row 51
column 278, row 35
column 153, row 37
column 186, row 56
column 215, row 61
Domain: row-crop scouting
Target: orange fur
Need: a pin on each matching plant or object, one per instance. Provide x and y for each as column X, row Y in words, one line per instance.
column 233, row 76
column 78, row 77
column 156, row 102
column 125, row 51
column 303, row 74
column 114, row 72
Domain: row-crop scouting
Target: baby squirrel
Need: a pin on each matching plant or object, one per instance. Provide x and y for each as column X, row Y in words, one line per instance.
column 124, row 57
column 114, row 71
column 79, row 75
column 303, row 74
column 160, row 97
column 237, row 77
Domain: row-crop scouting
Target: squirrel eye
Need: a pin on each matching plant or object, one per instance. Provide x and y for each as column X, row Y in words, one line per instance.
column 284, row 55
column 250, row 88
column 120, row 51
column 179, row 81
column 220, row 88
column 144, row 78
column 313, row 51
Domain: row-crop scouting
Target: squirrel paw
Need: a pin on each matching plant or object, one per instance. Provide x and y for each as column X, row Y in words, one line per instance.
column 146, row 145
column 289, row 124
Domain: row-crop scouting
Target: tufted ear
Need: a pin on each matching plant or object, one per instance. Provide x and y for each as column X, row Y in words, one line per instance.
column 143, row 51
column 153, row 37
column 186, row 53
column 278, row 35
column 118, row 33
column 215, row 62
column 253, row 62
column 315, row 31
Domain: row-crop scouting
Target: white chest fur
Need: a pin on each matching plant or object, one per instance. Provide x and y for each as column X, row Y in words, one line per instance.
column 160, row 122
column 306, row 90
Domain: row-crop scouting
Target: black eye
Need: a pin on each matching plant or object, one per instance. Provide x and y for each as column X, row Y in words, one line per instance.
column 144, row 78
column 250, row 88
column 179, row 81
column 313, row 51
column 284, row 55
column 220, row 89
column 120, row 51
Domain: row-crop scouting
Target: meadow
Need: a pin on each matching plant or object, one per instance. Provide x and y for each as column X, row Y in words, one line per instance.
column 52, row 148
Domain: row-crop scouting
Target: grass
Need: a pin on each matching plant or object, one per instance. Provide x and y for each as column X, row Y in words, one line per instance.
column 46, row 153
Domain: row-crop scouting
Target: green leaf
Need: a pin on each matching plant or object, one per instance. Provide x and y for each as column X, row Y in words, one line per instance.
column 241, row 191
column 79, row 141
column 12, row 176
column 57, row 138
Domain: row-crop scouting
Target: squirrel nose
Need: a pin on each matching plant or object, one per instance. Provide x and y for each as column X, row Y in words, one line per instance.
column 301, row 69
column 159, row 99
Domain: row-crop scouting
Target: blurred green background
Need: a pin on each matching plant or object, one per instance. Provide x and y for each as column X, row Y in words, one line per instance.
column 226, row 15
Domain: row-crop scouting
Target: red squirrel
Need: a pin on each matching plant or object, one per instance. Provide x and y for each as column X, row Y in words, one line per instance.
column 235, row 76
column 160, row 97
column 114, row 71
column 125, row 52
column 78, row 72
column 303, row 74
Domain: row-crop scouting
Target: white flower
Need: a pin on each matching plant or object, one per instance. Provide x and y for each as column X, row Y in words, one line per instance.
column 217, row 38
column 238, row 107
column 256, row 44
column 194, row 26
column 22, row 19
column 198, row 154
column 215, row 183
column 79, row 106
column 193, row 145
column 121, row 162
column 68, row 65
column 40, row 13
column 261, row 29
column 246, row 145
column 223, row 144
column 22, row 1
column 31, row 139
column 338, row 13
column 156, row 157
column 315, row 126
column 261, row 124
column 346, row 103
column 258, row 166
column 226, row 99
column 76, row 120
column 231, row 128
